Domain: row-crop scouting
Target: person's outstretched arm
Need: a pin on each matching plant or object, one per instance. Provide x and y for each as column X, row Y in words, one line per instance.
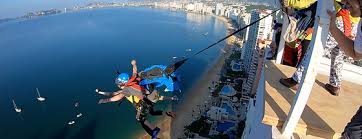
column 168, row 98
column 112, row 99
column 108, row 93
column 134, row 68
column 346, row 44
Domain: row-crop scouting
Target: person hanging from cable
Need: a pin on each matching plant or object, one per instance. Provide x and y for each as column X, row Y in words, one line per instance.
column 141, row 98
column 157, row 76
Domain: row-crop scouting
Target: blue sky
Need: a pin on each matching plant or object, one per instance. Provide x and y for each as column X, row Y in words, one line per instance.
column 14, row 8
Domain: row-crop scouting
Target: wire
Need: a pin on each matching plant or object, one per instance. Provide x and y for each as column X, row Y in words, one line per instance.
column 228, row 36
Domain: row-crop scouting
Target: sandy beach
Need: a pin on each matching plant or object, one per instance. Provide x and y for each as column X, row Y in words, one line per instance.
column 174, row 128
column 198, row 95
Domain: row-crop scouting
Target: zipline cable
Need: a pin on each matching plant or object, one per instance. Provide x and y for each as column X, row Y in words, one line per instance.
column 228, row 36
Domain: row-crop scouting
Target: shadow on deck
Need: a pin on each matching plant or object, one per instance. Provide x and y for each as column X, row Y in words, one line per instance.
column 324, row 115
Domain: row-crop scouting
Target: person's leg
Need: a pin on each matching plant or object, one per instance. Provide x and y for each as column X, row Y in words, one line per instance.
column 149, row 125
column 172, row 68
column 155, row 113
column 153, row 97
column 305, row 45
column 146, row 126
column 150, row 129
column 297, row 76
column 175, row 98
column 112, row 99
column 335, row 77
column 153, row 73
column 141, row 118
column 294, row 81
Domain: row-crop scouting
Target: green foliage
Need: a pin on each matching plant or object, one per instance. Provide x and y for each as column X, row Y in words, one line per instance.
column 235, row 56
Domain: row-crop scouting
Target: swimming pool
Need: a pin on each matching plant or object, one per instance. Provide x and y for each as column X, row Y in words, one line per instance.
column 228, row 109
column 227, row 91
column 237, row 67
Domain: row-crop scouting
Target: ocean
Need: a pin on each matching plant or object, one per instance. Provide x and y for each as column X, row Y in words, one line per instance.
column 68, row 56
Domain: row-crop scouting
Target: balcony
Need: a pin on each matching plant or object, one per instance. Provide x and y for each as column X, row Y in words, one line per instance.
column 324, row 116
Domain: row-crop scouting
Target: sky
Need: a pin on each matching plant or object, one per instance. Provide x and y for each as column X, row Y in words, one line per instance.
column 15, row 8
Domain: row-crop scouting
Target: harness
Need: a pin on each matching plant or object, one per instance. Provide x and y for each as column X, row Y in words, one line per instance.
column 133, row 83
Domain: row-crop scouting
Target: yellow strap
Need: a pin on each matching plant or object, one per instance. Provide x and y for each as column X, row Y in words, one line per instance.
column 133, row 99
column 300, row 4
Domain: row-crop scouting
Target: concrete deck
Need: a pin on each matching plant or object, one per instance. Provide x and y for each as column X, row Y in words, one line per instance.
column 324, row 116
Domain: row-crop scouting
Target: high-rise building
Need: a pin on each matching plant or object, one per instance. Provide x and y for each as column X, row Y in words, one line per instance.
column 260, row 30
column 219, row 9
column 244, row 20
column 199, row 6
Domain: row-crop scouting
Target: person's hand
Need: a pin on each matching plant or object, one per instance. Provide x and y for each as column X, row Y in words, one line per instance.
column 99, row 91
column 133, row 62
column 102, row 101
column 333, row 17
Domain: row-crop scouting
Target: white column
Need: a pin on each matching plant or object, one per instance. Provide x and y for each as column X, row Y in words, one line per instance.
column 321, row 30
column 282, row 41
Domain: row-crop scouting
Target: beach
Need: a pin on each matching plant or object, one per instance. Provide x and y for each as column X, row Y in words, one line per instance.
column 199, row 93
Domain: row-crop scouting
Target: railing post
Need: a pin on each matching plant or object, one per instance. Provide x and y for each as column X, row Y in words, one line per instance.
column 314, row 54
column 282, row 41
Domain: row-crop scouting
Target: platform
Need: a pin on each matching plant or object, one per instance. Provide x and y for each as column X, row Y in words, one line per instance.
column 324, row 116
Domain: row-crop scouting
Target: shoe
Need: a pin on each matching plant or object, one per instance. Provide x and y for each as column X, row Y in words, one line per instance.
column 290, row 83
column 171, row 114
column 331, row 89
column 155, row 132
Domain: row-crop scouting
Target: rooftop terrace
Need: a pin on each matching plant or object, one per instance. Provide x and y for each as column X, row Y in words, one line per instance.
column 324, row 116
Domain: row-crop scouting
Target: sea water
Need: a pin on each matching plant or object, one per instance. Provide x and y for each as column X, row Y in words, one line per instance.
column 68, row 56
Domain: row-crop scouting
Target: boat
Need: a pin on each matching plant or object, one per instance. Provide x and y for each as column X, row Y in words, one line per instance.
column 76, row 104
column 205, row 34
column 188, row 50
column 174, row 57
column 18, row 110
column 71, row 122
column 39, row 98
column 79, row 115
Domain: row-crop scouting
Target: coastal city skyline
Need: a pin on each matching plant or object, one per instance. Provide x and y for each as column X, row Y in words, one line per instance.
column 16, row 8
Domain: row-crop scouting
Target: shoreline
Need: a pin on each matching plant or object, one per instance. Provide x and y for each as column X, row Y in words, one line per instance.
column 173, row 128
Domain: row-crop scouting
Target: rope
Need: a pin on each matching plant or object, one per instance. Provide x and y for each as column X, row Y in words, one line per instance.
column 228, row 36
